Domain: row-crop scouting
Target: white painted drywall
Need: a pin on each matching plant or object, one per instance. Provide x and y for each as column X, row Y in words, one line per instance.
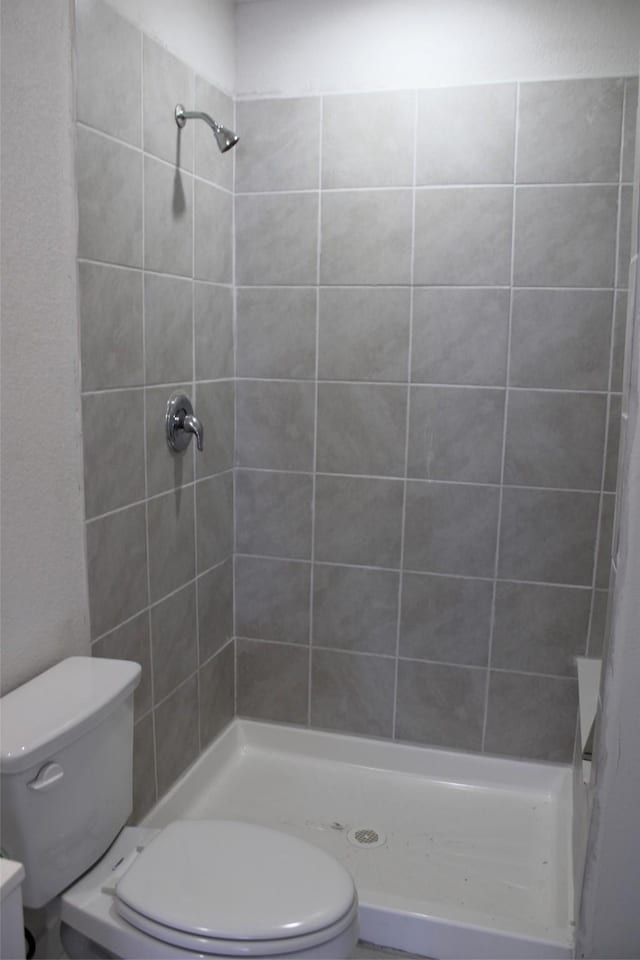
column 608, row 924
column 290, row 47
column 43, row 601
column 200, row 32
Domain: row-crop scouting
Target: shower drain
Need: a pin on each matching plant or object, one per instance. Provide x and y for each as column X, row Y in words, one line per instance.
column 366, row 837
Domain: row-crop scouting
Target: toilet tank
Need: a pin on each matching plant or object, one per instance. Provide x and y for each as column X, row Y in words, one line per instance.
column 66, row 766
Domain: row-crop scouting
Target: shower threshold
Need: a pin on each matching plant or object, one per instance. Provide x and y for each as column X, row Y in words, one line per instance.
column 453, row 855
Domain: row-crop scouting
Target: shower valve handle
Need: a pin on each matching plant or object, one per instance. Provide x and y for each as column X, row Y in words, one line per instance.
column 181, row 423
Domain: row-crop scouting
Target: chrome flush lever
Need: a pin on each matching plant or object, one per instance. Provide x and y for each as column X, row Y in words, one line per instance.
column 181, row 423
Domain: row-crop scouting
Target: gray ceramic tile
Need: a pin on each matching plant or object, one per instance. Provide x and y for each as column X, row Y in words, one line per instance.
column 272, row 599
column 174, row 639
column 168, row 329
column 116, row 568
column 463, row 236
column 277, row 239
column 275, row 424
column 446, row 619
column 352, row 693
column 455, row 433
column 613, row 443
column 177, row 733
column 466, row 135
column 363, row 334
column 214, row 404
column 619, row 335
column 167, row 82
column 110, row 326
column 441, row 706
column 108, row 71
column 366, row 237
column 366, row 139
column 215, row 609
column 624, row 237
column 569, row 131
column 168, row 212
column 213, row 321
column 273, row 514
column 460, row 336
column 361, row 428
column 555, row 439
column 548, row 535
column 605, row 541
column 358, row 520
column 597, row 631
column 109, row 200
column 171, row 541
column 113, row 458
column 560, row 338
column 532, row 717
column 355, row 609
column 540, row 629
column 210, row 164
column 166, row 469
column 279, row 145
column 217, row 694
column 144, row 769
column 629, row 140
column 131, row 642
column 565, row 236
column 451, row 528
column 213, row 240
column 276, row 330
column 272, row 681
column 214, row 507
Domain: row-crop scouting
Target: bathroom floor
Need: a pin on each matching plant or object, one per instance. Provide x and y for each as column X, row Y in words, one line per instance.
column 474, row 843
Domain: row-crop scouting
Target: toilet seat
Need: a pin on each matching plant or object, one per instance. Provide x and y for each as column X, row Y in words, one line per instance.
column 226, row 887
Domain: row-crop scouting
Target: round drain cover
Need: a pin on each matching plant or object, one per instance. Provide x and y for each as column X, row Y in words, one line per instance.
column 366, row 837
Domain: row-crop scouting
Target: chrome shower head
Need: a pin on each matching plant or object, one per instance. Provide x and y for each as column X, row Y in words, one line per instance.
column 225, row 138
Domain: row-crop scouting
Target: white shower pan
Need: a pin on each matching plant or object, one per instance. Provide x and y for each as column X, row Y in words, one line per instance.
column 454, row 855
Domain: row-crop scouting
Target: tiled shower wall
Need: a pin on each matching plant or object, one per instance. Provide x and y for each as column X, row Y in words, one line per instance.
column 156, row 306
column 430, row 316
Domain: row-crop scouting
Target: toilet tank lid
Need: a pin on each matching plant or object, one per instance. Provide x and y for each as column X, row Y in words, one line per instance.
column 58, row 706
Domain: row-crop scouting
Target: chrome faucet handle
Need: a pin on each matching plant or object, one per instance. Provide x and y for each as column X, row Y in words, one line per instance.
column 191, row 424
column 181, row 423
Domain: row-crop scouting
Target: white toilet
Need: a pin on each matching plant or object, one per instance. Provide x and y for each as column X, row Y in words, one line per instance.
column 197, row 888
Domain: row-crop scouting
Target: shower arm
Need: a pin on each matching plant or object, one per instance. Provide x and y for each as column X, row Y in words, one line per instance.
column 183, row 115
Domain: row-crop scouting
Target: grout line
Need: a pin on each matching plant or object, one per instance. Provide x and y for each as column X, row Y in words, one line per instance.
column 315, row 416
column 193, row 451
column 149, row 607
column 403, row 516
column 596, row 551
column 146, row 464
column 412, row 572
column 424, row 660
column 426, row 187
column 184, row 172
column 259, row 96
column 494, row 388
column 492, row 621
column 234, row 328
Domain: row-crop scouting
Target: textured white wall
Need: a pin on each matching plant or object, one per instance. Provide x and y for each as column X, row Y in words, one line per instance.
column 200, row 32
column 289, row 47
column 44, row 614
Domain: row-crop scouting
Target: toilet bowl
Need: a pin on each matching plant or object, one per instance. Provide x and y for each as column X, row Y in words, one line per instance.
column 197, row 888
column 213, row 888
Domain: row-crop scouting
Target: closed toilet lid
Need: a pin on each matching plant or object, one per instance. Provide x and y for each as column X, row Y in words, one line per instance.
column 222, row 879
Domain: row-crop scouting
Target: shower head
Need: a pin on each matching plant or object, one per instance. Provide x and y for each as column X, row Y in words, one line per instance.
column 225, row 138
